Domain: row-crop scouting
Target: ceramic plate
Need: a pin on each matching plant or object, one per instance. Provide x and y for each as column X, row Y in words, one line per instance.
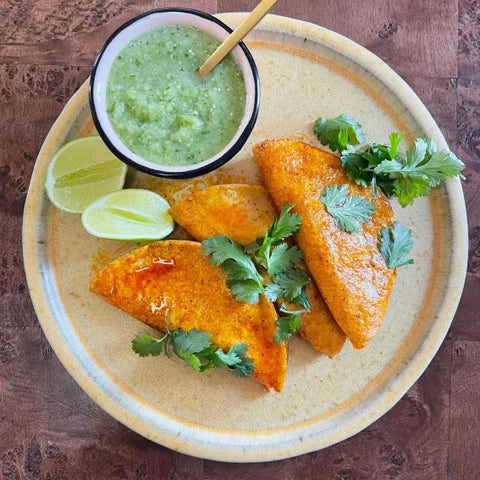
column 306, row 72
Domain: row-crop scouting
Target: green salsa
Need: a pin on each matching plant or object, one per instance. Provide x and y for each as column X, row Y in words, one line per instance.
column 159, row 105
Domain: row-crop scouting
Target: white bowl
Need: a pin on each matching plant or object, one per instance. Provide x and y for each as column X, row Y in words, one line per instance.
column 136, row 27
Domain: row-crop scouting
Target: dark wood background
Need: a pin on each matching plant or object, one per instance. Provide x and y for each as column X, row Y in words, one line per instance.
column 50, row 429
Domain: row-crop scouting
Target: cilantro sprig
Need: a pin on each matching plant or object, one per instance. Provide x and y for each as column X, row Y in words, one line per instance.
column 420, row 169
column 395, row 244
column 268, row 266
column 196, row 349
column 280, row 258
column 338, row 132
column 348, row 211
column 241, row 264
column 404, row 175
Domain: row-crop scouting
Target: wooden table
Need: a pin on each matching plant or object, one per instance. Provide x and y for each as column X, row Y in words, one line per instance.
column 50, row 429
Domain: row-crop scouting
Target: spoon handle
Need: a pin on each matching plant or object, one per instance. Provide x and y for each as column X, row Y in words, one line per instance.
column 236, row 36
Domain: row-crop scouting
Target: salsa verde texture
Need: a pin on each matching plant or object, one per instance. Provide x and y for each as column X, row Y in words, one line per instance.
column 159, row 105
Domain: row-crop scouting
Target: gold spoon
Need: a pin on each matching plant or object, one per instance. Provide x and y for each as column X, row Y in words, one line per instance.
column 236, row 36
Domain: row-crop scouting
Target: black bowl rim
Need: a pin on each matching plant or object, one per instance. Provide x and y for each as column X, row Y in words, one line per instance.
column 193, row 172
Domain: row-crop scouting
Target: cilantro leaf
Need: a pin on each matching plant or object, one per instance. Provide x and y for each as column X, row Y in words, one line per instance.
column 301, row 299
column 187, row 346
column 273, row 291
column 283, row 258
column 348, row 211
column 189, row 342
column 234, row 355
column 438, row 166
column 420, row 169
column 285, row 225
column 286, row 326
column 338, row 132
column 244, row 280
column 394, row 244
column 245, row 290
column 236, row 358
column 291, row 283
column 236, row 270
column 244, row 368
column 209, row 359
column 144, row 345
column 395, row 139
column 222, row 248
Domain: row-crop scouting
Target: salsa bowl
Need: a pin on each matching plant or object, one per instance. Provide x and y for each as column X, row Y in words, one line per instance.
column 171, row 111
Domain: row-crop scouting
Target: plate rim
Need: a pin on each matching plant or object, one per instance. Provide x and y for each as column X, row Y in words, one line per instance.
column 252, row 447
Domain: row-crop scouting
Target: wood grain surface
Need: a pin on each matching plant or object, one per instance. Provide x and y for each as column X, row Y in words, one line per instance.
column 50, row 429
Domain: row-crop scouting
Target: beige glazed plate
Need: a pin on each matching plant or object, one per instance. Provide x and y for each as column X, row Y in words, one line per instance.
column 306, row 72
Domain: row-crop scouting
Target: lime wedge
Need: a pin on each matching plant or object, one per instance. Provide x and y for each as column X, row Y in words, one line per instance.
column 82, row 171
column 132, row 214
